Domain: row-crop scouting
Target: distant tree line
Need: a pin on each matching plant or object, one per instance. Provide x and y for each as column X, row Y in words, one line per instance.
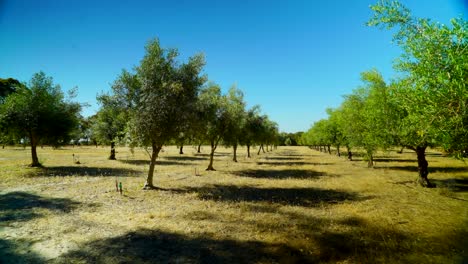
column 426, row 106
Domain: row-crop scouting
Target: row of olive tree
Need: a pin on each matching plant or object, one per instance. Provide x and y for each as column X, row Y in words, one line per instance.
column 37, row 112
column 427, row 106
column 164, row 101
column 160, row 102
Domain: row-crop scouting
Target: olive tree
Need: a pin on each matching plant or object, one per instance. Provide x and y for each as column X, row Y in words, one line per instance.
column 250, row 128
column 212, row 106
column 433, row 88
column 236, row 113
column 163, row 94
column 40, row 113
column 110, row 122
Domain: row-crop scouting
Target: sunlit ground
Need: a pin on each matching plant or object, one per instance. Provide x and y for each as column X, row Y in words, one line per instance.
column 291, row 205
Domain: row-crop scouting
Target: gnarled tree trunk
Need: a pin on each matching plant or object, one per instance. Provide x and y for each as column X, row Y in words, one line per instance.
column 338, row 151
column 181, row 149
column 423, row 168
column 199, row 147
column 329, row 150
column 149, row 179
column 35, row 160
column 234, row 158
column 112, row 152
column 248, row 151
column 370, row 160
column 350, row 154
column 33, row 142
column 213, row 148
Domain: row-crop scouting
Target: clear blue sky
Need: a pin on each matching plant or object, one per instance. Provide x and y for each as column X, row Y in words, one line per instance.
column 294, row 58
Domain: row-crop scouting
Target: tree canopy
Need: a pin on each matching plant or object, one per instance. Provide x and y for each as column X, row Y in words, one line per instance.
column 163, row 95
column 39, row 112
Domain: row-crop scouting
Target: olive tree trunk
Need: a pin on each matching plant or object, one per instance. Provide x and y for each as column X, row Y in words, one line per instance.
column 350, row 154
column 112, row 152
column 248, row 151
column 214, row 145
column 33, row 142
column 35, row 160
column 181, row 149
column 149, row 179
column 423, row 167
column 234, row 158
column 370, row 160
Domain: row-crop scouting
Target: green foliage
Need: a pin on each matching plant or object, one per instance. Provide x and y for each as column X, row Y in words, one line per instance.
column 40, row 113
column 213, row 109
column 433, row 92
column 167, row 95
column 7, row 86
column 251, row 126
column 290, row 139
column 236, row 112
column 159, row 98
column 110, row 122
column 367, row 118
column 368, row 114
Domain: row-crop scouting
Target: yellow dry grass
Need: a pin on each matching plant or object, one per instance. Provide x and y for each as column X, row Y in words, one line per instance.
column 292, row 205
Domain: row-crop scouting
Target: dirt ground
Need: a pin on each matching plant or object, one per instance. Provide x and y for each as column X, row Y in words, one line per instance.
column 290, row 205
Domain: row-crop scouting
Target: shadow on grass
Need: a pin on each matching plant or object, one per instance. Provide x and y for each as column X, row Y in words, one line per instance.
column 286, row 163
column 432, row 169
column 83, row 171
column 355, row 240
column 18, row 251
column 456, row 185
column 217, row 154
column 394, row 160
column 319, row 240
column 284, row 158
column 184, row 158
column 307, row 197
column 147, row 162
column 19, row 206
column 281, row 174
column 156, row 246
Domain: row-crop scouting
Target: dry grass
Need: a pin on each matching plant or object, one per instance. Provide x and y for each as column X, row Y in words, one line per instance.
column 292, row 205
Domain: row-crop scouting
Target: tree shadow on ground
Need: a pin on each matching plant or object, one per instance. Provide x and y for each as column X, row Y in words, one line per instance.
column 156, row 246
column 434, row 154
column 147, row 162
column 394, row 160
column 217, row 154
column 307, row 197
column 354, row 239
column 431, row 168
column 284, row 158
column 456, row 185
column 286, row 163
column 188, row 158
column 18, row 251
column 280, row 174
column 351, row 239
column 320, row 240
column 83, row 171
column 20, row 206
